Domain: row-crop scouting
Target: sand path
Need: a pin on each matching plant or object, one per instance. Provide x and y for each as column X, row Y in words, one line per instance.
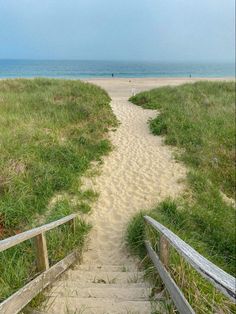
column 137, row 174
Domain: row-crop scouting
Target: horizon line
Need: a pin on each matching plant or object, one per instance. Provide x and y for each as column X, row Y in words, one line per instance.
column 119, row 60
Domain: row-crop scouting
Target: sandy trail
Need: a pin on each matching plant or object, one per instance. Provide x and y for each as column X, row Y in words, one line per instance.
column 137, row 174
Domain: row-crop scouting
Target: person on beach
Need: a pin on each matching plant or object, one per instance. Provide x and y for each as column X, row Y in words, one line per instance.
column 112, row 74
column 133, row 91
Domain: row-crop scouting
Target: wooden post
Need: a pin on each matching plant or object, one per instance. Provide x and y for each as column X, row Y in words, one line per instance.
column 41, row 252
column 164, row 251
column 72, row 224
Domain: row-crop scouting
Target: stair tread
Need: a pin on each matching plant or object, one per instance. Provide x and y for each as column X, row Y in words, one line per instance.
column 103, row 277
column 122, row 293
column 98, row 306
column 74, row 284
column 111, row 268
column 105, row 272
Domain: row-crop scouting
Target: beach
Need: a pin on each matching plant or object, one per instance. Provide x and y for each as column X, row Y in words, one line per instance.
column 117, row 168
column 126, row 87
column 138, row 173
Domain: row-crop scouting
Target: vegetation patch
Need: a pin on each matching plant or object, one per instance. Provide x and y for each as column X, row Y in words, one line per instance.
column 200, row 119
column 50, row 132
column 201, row 295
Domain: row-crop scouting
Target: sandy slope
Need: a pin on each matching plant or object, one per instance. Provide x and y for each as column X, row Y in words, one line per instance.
column 138, row 174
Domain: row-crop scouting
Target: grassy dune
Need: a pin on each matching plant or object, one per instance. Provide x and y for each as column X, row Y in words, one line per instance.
column 199, row 120
column 50, row 132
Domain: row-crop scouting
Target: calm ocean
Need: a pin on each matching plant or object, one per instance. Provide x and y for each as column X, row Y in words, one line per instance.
column 88, row 69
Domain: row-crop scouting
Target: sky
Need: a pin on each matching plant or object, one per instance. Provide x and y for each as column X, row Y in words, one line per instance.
column 139, row 30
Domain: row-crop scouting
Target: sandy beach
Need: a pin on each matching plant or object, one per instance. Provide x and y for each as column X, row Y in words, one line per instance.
column 124, row 87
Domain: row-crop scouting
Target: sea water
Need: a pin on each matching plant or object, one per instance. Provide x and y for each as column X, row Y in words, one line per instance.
column 105, row 69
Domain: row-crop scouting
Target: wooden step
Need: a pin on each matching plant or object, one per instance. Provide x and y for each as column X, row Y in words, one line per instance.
column 74, row 284
column 106, row 268
column 76, row 305
column 103, row 277
column 102, row 291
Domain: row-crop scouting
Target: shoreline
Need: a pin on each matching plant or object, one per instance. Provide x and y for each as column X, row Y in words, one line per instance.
column 162, row 78
column 216, row 78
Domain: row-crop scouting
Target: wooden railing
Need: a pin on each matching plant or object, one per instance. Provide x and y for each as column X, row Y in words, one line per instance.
column 224, row 282
column 16, row 302
column 219, row 278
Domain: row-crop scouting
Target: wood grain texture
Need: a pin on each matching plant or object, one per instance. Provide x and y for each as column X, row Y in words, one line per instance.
column 21, row 237
column 72, row 224
column 164, row 251
column 41, row 252
column 218, row 277
column 177, row 296
column 15, row 303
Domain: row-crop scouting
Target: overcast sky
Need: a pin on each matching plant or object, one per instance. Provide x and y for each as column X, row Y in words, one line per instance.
column 162, row 30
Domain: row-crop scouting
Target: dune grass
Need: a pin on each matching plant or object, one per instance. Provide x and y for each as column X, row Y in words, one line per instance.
column 199, row 120
column 50, row 132
column 202, row 296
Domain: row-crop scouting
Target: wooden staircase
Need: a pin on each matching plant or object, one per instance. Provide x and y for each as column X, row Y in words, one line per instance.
column 108, row 289
column 100, row 289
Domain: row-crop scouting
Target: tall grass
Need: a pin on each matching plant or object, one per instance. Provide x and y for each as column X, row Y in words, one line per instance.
column 50, row 131
column 199, row 119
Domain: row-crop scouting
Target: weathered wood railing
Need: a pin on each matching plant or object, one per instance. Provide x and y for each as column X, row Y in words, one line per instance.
column 16, row 302
column 224, row 282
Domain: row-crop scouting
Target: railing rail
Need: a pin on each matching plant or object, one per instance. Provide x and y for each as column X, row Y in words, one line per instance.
column 224, row 282
column 16, row 302
column 23, row 236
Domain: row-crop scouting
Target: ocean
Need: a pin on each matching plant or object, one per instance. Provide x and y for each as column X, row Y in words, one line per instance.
column 94, row 69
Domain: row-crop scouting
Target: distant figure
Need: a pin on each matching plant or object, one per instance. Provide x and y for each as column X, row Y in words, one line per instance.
column 190, row 75
column 112, row 74
column 133, row 91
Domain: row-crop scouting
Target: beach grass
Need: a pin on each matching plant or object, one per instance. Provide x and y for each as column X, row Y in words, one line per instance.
column 198, row 119
column 201, row 295
column 50, row 132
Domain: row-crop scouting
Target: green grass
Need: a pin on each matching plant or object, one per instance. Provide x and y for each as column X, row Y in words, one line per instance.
column 199, row 120
column 50, row 132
